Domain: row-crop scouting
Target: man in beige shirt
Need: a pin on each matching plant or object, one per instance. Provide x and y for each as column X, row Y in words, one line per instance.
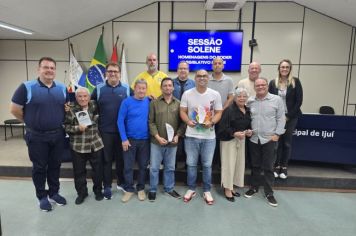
column 254, row 70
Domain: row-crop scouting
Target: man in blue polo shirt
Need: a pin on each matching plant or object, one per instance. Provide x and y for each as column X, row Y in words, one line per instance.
column 40, row 104
column 109, row 96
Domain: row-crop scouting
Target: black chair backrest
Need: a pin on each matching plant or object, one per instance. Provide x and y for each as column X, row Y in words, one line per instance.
column 326, row 110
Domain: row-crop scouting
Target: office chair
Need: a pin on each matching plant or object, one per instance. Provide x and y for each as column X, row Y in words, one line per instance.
column 328, row 110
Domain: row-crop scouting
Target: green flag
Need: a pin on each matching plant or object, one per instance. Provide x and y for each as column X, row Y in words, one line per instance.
column 96, row 72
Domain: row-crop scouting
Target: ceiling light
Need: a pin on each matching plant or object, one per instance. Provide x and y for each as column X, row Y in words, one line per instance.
column 15, row 28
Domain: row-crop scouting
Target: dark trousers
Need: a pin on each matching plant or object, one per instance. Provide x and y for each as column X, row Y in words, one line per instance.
column 80, row 171
column 45, row 151
column 112, row 152
column 139, row 151
column 247, row 154
column 180, row 155
column 284, row 149
column 262, row 159
column 216, row 158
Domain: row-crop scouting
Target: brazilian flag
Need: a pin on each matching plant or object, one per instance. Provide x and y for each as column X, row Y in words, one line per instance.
column 96, row 72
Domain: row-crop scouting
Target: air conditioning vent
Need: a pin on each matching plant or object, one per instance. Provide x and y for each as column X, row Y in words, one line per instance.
column 224, row 5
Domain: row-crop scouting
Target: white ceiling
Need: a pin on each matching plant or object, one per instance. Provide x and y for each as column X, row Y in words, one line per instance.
column 60, row 19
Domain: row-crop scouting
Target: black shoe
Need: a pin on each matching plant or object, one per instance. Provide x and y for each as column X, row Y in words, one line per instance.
column 45, row 205
column 80, row 199
column 174, row 194
column 99, row 196
column 236, row 194
column 250, row 192
column 151, row 196
column 230, row 199
column 57, row 199
column 271, row 200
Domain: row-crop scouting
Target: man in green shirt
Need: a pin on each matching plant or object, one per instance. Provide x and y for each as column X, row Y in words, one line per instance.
column 164, row 111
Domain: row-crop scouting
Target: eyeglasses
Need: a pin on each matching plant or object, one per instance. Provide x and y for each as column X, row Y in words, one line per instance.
column 112, row 71
column 202, row 76
column 285, row 67
column 48, row 67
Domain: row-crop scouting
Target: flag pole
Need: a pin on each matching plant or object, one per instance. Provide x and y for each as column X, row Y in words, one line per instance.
column 115, row 47
column 122, row 51
column 117, row 39
column 71, row 47
column 65, row 76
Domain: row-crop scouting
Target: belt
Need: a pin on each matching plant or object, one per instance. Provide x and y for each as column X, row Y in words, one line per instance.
column 52, row 131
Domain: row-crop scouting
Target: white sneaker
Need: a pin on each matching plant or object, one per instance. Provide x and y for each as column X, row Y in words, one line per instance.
column 120, row 188
column 283, row 176
column 208, row 198
column 275, row 174
column 189, row 195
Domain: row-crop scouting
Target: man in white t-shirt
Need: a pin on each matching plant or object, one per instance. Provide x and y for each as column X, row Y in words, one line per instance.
column 200, row 109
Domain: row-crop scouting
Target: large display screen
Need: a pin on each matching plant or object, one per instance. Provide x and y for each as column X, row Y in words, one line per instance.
column 200, row 47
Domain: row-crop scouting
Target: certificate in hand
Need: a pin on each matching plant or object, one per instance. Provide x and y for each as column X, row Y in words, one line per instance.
column 83, row 118
column 170, row 132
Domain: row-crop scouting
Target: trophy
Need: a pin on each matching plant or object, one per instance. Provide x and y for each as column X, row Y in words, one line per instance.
column 170, row 132
column 201, row 115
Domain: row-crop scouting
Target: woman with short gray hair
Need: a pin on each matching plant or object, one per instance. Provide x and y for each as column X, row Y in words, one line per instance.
column 234, row 128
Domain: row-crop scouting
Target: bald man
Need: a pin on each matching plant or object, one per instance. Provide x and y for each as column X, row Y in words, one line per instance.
column 254, row 70
column 152, row 76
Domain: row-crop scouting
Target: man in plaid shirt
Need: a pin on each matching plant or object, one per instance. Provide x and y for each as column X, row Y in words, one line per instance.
column 86, row 144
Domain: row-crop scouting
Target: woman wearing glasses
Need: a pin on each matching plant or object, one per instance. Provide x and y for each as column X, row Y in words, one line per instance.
column 290, row 90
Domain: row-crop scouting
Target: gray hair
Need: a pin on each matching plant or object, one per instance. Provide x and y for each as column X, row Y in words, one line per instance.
column 140, row 81
column 239, row 91
column 184, row 62
column 82, row 89
column 262, row 78
column 218, row 58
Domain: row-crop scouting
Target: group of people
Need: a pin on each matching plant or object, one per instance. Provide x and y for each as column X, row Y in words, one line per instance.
column 154, row 120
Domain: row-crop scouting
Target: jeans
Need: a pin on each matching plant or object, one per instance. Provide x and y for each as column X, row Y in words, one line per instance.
column 112, row 152
column 284, row 149
column 139, row 151
column 168, row 155
column 80, row 171
column 45, row 152
column 204, row 148
column 263, row 158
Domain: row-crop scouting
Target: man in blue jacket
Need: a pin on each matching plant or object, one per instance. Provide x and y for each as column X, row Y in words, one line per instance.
column 109, row 96
column 181, row 84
